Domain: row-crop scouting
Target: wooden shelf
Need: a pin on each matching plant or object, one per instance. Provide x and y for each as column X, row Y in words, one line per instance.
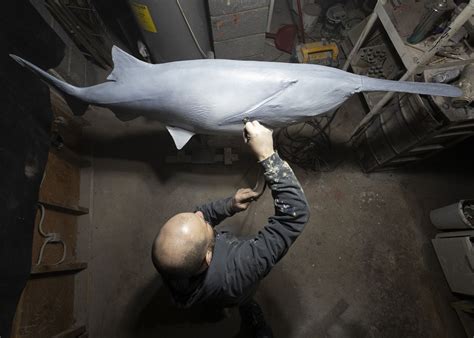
column 454, row 134
column 72, row 157
column 73, row 332
column 73, row 210
column 392, row 33
column 72, row 267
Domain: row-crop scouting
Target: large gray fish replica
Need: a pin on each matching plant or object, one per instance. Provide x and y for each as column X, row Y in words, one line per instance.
column 215, row 96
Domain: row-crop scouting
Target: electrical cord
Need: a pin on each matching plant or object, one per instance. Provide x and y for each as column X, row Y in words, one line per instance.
column 304, row 145
column 52, row 237
column 204, row 55
column 40, row 225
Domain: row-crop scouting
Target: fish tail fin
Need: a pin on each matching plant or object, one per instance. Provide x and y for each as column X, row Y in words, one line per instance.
column 70, row 92
column 435, row 89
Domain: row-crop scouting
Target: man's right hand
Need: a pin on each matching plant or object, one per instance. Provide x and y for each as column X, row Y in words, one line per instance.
column 259, row 139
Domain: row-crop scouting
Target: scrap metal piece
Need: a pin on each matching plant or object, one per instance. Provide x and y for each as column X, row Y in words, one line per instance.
column 466, row 85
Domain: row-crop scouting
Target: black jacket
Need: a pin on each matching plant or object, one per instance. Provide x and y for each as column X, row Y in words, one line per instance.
column 238, row 265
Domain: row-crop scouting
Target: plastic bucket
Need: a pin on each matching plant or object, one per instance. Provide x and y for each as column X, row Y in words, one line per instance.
column 451, row 217
column 311, row 14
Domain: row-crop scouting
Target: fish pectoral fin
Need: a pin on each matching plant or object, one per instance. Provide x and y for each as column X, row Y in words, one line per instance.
column 238, row 118
column 180, row 136
column 123, row 63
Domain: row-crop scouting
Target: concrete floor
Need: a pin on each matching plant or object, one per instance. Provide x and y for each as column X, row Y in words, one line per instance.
column 364, row 266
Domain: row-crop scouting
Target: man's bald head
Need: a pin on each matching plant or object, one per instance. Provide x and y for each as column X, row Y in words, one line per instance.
column 181, row 246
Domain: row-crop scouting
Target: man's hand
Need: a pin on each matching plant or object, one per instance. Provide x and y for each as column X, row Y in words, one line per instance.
column 243, row 198
column 259, row 139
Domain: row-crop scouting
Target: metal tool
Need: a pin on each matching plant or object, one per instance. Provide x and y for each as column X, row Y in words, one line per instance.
column 245, row 120
column 466, row 84
column 260, row 173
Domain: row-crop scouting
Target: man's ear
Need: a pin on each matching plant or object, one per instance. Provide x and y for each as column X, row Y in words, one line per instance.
column 199, row 214
column 208, row 257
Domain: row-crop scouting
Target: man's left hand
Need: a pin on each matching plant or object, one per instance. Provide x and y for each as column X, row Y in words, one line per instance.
column 243, row 198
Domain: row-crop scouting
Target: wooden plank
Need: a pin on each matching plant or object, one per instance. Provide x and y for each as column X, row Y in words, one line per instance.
column 61, row 182
column 66, row 123
column 430, row 147
column 69, row 155
column 461, row 126
column 47, row 307
column 73, row 332
column 47, row 303
column 453, row 134
column 73, row 210
column 446, row 64
column 393, row 35
column 405, row 159
column 60, row 268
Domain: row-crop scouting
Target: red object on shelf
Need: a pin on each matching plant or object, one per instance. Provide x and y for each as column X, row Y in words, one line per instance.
column 284, row 38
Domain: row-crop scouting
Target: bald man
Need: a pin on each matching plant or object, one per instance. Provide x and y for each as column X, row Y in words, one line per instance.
column 203, row 266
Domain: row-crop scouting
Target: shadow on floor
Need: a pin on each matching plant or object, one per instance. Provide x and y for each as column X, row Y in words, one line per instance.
column 332, row 324
column 158, row 315
column 154, row 147
column 155, row 313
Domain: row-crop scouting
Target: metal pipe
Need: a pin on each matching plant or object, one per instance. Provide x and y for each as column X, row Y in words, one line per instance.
column 270, row 15
column 435, row 47
column 373, row 17
column 196, row 42
column 300, row 17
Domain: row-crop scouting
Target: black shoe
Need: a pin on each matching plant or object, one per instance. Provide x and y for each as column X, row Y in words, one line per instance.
column 253, row 319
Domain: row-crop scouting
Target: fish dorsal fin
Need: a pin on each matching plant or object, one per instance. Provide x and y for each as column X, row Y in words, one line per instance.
column 180, row 136
column 123, row 64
